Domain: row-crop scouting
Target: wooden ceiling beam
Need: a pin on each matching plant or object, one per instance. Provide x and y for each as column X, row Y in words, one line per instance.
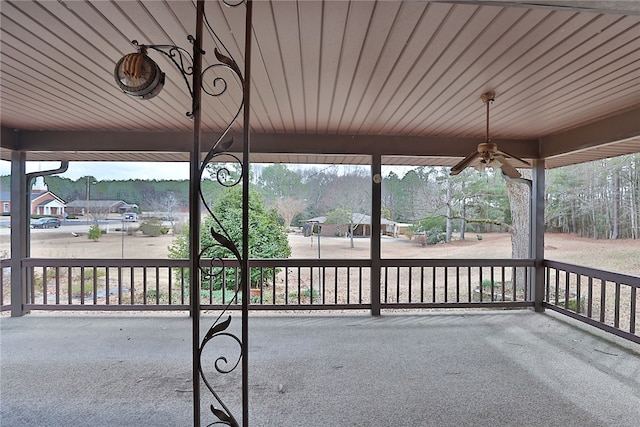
column 615, row 128
column 136, row 141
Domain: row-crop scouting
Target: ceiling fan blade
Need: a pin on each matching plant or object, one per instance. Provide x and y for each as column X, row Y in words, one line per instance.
column 455, row 170
column 506, row 167
column 520, row 163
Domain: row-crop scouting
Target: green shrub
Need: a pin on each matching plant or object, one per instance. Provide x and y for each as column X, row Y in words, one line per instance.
column 152, row 227
column 267, row 239
column 94, row 232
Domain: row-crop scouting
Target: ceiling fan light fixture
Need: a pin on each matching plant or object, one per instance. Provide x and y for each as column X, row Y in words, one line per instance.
column 487, row 154
column 139, row 76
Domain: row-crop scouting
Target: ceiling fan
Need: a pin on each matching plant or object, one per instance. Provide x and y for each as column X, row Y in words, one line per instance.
column 488, row 155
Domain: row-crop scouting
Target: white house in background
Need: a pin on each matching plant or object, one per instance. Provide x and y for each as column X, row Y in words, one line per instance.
column 44, row 202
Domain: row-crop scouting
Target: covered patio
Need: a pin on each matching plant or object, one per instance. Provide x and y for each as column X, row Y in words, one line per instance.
column 453, row 368
column 353, row 82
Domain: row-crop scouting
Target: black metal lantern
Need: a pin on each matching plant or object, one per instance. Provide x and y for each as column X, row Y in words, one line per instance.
column 138, row 75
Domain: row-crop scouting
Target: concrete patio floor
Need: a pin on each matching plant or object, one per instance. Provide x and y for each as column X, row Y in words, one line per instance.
column 454, row 368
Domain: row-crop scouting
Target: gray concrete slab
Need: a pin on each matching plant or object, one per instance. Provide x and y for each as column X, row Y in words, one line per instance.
column 481, row 368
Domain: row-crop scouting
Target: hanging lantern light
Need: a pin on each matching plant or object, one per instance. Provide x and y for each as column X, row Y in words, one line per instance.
column 138, row 75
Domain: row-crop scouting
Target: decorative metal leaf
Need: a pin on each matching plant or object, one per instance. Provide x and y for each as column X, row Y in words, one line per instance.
column 220, row 147
column 215, row 329
column 222, row 239
column 228, row 62
column 222, row 416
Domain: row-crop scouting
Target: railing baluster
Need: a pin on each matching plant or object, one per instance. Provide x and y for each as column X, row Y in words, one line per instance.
column 590, row 297
column 493, row 283
column 421, row 284
column 398, row 284
column 433, row 285
column 481, row 290
column 348, row 285
column 603, row 288
column 633, row 308
column 107, row 291
column 322, row 284
column 457, row 284
column 273, row 286
column 410, row 290
column 95, row 285
column 547, row 285
column 578, row 295
column 470, row 292
column 144, row 286
column 446, row 284
column 132, row 284
column 557, row 286
column 157, row 285
column 567, row 281
column 286, row 285
column 299, row 285
column 335, row 285
column 82, row 289
column 45, row 285
column 360, row 285
column 386, row 281
column 57, row 285
column 616, row 315
column 169, row 287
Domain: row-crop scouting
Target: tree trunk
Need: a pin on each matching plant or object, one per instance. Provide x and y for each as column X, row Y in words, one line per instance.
column 520, row 203
column 616, row 205
column 519, row 200
column 463, row 222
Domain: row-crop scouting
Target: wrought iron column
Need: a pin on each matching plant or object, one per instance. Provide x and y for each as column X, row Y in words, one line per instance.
column 138, row 75
column 194, row 212
column 246, row 149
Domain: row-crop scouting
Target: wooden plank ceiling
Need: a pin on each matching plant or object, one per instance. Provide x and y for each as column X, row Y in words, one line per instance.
column 329, row 69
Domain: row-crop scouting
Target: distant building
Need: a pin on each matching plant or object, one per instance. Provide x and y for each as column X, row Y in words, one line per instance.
column 362, row 226
column 43, row 201
column 100, row 206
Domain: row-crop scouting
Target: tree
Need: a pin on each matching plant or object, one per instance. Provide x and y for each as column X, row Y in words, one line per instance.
column 166, row 205
column 288, row 208
column 267, row 237
column 347, row 195
column 278, row 181
column 341, row 217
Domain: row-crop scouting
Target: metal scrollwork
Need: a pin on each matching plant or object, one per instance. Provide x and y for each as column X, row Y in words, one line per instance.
column 222, row 365
column 188, row 64
column 218, row 85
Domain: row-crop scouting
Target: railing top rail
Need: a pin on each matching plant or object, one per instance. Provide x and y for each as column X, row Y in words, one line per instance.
column 457, row 262
column 278, row 262
column 627, row 279
column 104, row 262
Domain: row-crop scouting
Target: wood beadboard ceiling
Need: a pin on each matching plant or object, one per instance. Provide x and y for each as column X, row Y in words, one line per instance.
column 406, row 69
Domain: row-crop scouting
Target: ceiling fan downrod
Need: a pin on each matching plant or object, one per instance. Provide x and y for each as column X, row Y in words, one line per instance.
column 488, row 98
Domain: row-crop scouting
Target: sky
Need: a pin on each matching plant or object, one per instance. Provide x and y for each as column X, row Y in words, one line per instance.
column 111, row 170
column 108, row 171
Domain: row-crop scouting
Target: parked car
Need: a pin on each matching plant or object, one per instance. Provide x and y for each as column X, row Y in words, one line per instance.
column 45, row 223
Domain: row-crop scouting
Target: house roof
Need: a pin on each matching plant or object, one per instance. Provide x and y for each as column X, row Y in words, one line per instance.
column 96, row 204
column 49, row 196
column 332, row 81
column 356, row 218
